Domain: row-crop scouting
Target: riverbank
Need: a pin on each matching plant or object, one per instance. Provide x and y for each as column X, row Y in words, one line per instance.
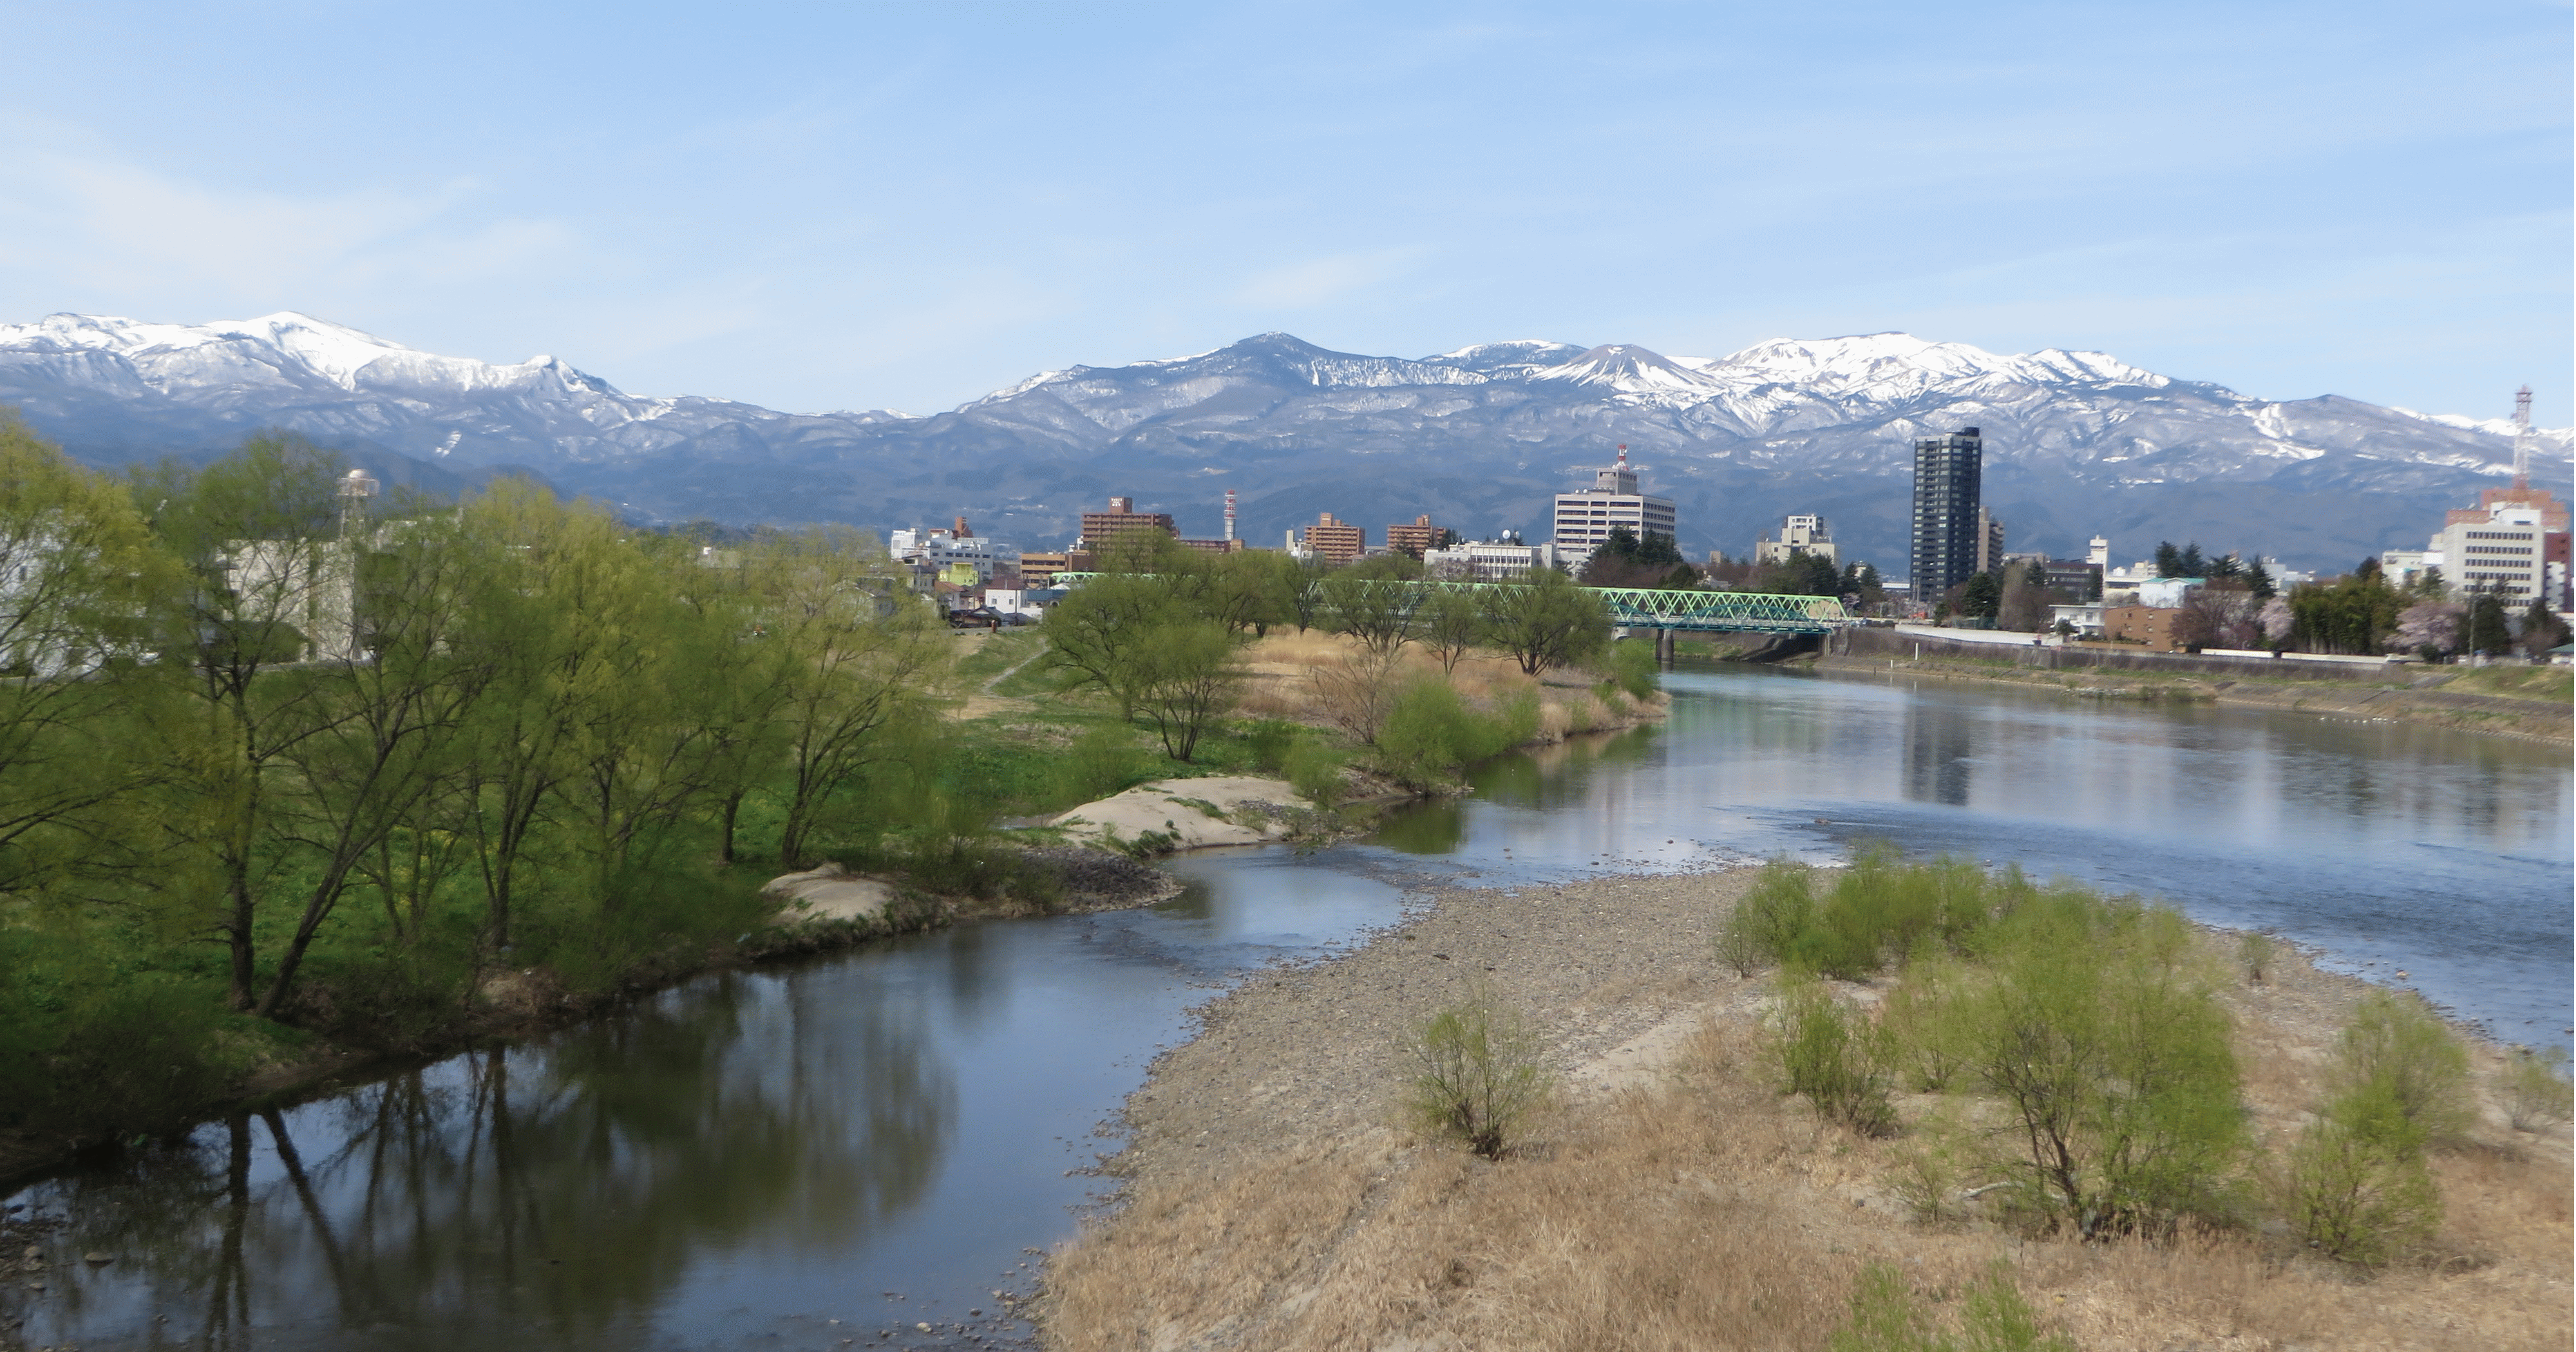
column 509, row 1005
column 2544, row 718
column 1672, row 1199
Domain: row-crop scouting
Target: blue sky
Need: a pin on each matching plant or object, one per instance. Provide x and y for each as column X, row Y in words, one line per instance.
column 850, row 206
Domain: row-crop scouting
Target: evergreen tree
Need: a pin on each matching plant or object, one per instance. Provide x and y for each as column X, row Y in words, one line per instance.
column 1981, row 597
column 2168, row 560
column 2190, row 561
column 2488, row 631
column 2541, row 630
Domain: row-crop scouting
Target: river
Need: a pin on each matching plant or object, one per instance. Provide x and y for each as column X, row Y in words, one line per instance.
column 817, row 1155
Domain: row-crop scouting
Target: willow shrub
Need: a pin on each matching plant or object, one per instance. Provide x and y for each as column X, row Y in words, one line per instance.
column 1431, row 734
column 1879, row 908
column 2535, row 1088
column 1478, row 1077
column 1633, row 667
column 2398, row 1047
column 1832, row 1055
column 2092, row 1024
column 1315, row 772
column 1773, row 913
column 1887, row 1317
column 2355, row 1185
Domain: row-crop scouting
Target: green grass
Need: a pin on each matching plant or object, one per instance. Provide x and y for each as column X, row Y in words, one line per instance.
column 998, row 653
column 2555, row 685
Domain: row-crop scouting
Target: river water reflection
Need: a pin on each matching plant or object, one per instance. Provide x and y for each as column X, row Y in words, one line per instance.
column 874, row 1139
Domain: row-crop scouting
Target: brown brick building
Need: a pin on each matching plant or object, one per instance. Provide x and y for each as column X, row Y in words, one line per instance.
column 1122, row 518
column 1416, row 538
column 1336, row 540
column 2152, row 626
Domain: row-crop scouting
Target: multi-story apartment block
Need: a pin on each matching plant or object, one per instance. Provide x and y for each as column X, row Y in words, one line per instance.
column 1949, row 531
column 1416, row 538
column 1122, row 518
column 1335, row 539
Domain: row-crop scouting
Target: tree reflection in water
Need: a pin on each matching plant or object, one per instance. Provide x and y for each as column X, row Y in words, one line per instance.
column 565, row 1186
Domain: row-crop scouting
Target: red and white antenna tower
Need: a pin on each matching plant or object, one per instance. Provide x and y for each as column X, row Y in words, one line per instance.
column 2522, row 439
column 1229, row 513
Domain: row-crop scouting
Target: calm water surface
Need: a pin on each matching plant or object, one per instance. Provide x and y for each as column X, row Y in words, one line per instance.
column 881, row 1138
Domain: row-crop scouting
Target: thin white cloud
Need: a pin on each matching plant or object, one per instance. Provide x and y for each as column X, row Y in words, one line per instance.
column 1322, row 280
column 93, row 225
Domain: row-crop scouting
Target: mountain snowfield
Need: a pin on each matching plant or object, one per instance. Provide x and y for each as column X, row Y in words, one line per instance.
column 2077, row 442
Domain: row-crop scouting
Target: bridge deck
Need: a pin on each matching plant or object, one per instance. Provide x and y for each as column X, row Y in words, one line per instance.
column 1647, row 608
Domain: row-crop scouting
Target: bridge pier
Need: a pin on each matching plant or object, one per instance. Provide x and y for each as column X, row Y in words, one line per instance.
column 1664, row 639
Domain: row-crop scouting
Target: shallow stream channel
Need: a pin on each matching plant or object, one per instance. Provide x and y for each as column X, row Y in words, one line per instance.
column 877, row 1147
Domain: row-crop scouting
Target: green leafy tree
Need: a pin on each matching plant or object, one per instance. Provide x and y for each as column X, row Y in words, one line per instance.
column 1450, row 626
column 255, row 532
column 1380, row 612
column 1545, row 621
column 1190, row 680
column 78, row 567
column 1096, row 634
column 1626, row 559
column 855, row 676
column 2352, row 614
column 388, row 724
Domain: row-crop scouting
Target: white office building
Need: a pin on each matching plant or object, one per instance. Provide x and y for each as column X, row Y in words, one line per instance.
column 1584, row 519
column 2497, row 551
column 1498, row 560
column 1807, row 535
column 943, row 548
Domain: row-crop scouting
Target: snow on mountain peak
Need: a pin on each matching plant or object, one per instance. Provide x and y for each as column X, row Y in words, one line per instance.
column 287, row 345
column 1630, row 369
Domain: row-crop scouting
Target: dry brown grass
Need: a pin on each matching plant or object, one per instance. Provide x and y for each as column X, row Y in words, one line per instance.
column 1690, row 1207
column 1296, row 676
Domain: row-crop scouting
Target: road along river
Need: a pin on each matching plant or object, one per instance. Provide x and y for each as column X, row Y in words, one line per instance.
column 838, row 1152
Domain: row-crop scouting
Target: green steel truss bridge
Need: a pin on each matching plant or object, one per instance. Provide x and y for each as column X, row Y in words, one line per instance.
column 1647, row 608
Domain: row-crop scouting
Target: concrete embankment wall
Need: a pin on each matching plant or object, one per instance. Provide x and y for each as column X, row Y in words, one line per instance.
column 2330, row 689
column 1893, row 643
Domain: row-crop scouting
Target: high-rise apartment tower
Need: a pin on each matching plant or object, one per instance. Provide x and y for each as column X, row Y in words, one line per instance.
column 1947, row 533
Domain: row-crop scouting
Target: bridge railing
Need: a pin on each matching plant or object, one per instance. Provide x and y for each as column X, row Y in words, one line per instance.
column 1651, row 608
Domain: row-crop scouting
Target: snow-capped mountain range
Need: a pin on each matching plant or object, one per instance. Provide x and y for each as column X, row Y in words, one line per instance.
column 2076, row 442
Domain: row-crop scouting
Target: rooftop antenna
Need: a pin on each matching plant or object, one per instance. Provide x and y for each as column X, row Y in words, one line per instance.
column 2522, row 439
column 1623, row 455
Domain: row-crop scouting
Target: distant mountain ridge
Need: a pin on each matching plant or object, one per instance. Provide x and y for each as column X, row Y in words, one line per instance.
column 2077, row 442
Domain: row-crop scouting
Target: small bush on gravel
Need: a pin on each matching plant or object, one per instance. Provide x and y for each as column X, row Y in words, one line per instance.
column 2535, row 1089
column 2355, row 1186
column 1834, row 1056
column 1778, row 908
column 2256, row 952
column 1886, row 1317
column 1478, row 1076
column 2396, row 1044
column 1928, row 1038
